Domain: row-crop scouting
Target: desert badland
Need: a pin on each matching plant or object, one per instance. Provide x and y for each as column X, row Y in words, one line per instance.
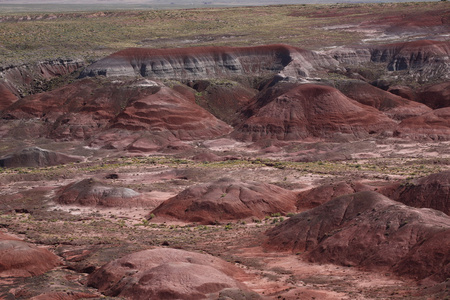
column 264, row 152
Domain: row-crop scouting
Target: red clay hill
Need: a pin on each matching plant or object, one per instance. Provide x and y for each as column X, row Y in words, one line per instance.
column 209, row 62
column 368, row 230
column 92, row 106
column 435, row 95
column 166, row 273
column 226, row 200
column 394, row 106
column 432, row 191
column 319, row 195
column 309, row 110
column 168, row 111
column 434, row 125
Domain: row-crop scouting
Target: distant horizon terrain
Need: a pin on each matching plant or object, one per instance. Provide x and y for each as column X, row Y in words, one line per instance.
column 25, row 6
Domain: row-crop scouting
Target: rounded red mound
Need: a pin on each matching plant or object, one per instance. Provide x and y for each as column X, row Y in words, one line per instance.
column 295, row 112
column 21, row 259
column 226, row 200
column 366, row 229
column 166, row 273
column 317, row 196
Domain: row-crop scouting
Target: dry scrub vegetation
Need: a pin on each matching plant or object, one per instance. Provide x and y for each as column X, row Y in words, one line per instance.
column 90, row 36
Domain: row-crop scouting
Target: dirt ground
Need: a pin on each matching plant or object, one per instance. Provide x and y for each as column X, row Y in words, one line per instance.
column 87, row 237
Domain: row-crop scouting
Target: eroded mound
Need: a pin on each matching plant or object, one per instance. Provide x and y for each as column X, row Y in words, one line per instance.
column 20, row 259
column 412, row 61
column 367, row 229
column 171, row 112
column 91, row 192
column 7, row 97
column 432, row 191
column 436, row 95
column 80, row 109
column 207, row 62
column 225, row 200
column 223, row 98
column 434, row 125
column 324, row 193
column 91, row 108
column 426, row 57
column 393, row 106
column 309, row 110
column 166, row 273
column 36, row 157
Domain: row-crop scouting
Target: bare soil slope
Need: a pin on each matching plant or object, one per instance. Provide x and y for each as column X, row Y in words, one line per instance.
column 21, row 259
column 226, row 200
column 319, row 195
column 166, row 273
column 434, row 125
column 368, row 230
column 310, row 110
column 432, row 191
column 36, row 157
column 393, row 106
column 91, row 192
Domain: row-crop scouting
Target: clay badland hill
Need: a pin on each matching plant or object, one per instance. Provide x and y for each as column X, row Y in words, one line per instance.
column 226, row 200
column 367, row 229
column 292, row 151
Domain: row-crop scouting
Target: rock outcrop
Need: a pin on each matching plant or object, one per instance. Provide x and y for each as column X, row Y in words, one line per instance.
column 295, row 112
column 368, row 230
column 226, row 200
column 434, row 125
column 429, row 58
column 36, row 157
column 167, row 273
column 209, row 62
